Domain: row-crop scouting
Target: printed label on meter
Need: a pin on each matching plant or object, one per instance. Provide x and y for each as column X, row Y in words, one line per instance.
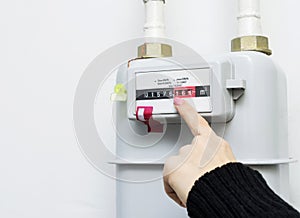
column 157, row 89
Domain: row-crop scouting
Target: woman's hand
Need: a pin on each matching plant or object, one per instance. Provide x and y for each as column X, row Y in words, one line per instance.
column 206, row 152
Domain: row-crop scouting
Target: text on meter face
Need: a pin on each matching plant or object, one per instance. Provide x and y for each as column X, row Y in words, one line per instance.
column 158, row 89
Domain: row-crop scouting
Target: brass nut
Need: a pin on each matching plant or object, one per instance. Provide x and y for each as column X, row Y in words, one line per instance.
column 154, row 50
column 251, row 43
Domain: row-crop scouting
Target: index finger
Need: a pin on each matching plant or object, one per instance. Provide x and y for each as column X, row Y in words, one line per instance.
column 197, row 124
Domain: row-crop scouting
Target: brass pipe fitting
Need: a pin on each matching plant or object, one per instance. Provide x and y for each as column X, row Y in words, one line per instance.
column 154, row 50
column 251, row 43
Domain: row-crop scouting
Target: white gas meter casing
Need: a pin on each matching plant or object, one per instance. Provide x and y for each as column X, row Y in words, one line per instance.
column 244, row 99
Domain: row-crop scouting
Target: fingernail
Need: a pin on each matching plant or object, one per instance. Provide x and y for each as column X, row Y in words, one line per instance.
column 178, row 101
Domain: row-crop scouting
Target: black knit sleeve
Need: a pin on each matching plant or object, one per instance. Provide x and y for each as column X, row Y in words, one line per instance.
column 235, row 190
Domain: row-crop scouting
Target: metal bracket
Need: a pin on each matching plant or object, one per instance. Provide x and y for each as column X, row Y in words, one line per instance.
column 237, row 86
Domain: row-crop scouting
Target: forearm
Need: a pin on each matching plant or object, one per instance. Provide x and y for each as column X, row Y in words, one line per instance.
column 235, row 190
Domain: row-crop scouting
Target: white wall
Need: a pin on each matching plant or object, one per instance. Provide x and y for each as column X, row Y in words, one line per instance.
column 45, row 45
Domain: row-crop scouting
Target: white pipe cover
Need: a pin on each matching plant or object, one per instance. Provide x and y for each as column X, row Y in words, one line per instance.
column 249, row 22
column 155, row 22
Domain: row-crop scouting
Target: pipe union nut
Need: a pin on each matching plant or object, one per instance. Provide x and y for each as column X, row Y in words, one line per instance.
column 154, row 50
column 251, row 43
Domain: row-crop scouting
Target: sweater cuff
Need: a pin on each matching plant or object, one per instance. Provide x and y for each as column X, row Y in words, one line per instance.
column 235, row 190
